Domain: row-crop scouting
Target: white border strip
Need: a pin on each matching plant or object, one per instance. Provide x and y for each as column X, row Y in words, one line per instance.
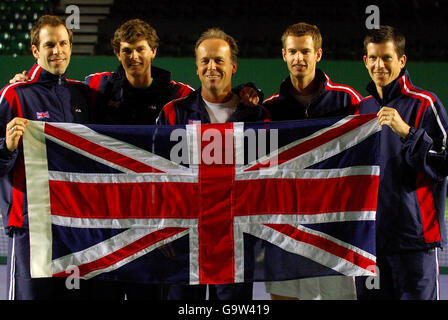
column 38, row 196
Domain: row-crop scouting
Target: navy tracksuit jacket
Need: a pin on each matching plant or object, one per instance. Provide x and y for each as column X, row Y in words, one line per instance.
column 412, row 189
column 333, row 100
column 191, row 109
column 45, row 97
column 120, row 103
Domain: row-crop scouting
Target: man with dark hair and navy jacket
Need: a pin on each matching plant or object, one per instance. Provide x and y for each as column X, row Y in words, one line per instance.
column 215, row 102
column 411, row 200
column 48, row 96
column 308, row 93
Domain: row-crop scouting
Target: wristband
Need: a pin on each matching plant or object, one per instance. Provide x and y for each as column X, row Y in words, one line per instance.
column 411, row 133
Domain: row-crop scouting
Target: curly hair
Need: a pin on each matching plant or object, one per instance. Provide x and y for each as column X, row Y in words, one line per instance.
column 132, row 31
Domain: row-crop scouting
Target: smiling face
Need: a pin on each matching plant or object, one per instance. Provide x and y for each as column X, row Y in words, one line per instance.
column 136, row 58
column 55, row 49
column 214, row 66
column 383, row 63
column 301, row 57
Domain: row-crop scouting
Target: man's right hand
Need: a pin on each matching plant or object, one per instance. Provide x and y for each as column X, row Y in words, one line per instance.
column 249, row 97
column 14, row 131
column 20, row 77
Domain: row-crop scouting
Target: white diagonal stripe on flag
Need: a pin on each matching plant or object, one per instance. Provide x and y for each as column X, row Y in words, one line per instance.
column 109, row 246
column 117, row 146
column 253, row 225
column 307, row 250
column 324, row 151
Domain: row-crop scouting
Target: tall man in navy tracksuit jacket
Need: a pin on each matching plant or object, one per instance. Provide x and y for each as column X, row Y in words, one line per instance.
column 309, row 93
column 48, row 96
column 411, row 201
column 214, row 102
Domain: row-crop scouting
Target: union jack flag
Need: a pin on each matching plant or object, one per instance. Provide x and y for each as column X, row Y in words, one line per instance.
column 43, row 115
column 111, row 201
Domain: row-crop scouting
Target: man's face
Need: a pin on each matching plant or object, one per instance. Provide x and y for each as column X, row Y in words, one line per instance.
column 301, row 57
column 55, row 49
column 383, row 63
column 214, row 65
column 136, row 57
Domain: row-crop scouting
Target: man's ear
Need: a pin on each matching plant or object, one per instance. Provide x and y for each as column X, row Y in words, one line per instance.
column 35, row 52
column 403, row 60
column 235, row 66
column 284, row 54
column 117, row 54
column 319, row 54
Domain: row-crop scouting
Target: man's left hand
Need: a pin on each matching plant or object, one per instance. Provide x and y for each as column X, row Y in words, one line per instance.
column 390, row 117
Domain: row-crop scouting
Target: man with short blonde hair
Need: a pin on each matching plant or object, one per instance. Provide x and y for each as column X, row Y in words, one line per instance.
column 214, row 102
column 216, row 33
column 303, row 29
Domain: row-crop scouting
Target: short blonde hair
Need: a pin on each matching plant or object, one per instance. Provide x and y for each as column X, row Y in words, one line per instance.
column 216, row 33
column 304, row 29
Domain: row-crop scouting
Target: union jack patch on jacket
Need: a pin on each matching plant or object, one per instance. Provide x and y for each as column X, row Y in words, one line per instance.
column 42, row 115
